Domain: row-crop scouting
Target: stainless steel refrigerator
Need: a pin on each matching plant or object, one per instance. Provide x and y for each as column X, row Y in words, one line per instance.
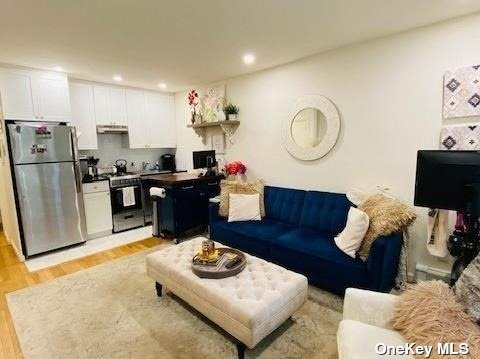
column 48, row 186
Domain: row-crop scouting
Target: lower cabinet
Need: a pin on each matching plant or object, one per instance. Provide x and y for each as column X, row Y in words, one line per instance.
column 98, row 209
column 184, row 210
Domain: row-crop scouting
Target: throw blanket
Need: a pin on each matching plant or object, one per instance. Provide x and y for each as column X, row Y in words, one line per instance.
column 357, row 196
column 437, row 232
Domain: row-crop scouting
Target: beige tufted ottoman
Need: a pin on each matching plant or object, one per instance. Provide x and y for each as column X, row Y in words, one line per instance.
column 249, row 305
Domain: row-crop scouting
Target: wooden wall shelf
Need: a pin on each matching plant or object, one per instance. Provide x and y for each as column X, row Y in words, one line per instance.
column 228, row 127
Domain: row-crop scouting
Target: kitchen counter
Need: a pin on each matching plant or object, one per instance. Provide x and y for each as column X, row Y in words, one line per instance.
column 174, row 178
column 95, row 179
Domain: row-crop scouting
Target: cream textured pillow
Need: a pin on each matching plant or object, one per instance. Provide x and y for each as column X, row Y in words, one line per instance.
column 387, row 216
column 429, row 313
column 227, row 187
column 467, row 289
column 244, row 207
column 350, row 239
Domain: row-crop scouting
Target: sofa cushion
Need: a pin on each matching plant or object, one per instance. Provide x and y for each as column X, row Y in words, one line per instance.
column 325, row 212
column 250, row 236
column 316, row 255
column 284, row 204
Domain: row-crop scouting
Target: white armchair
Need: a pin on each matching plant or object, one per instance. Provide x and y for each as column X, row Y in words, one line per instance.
column 366, row 317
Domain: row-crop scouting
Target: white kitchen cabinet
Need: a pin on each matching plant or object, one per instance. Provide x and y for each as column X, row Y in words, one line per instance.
column 160, row 116
column 137, row 126
column 110, row 105
column 34, row 95
column 98, row 210
column 151, row 120
column 51, row 96
column 118, row 106
column 83, row 115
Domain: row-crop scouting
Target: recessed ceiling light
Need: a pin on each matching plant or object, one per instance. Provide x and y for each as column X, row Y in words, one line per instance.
column 58, row 68
column 249, row 58
column 162, row 85
column 117, row 78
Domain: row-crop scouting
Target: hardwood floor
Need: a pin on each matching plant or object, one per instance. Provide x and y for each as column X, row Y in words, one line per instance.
column 14, row 275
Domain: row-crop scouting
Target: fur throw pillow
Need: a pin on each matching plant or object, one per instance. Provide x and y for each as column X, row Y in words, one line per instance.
column 429, row 313
column 227, row 187
column 387, row 216
column 467, row 289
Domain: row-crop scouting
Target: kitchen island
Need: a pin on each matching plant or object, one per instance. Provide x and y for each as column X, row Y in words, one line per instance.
column 184, row 210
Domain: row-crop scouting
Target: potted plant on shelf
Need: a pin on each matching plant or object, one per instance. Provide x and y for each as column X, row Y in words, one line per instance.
column 231, row 111
column 193, row 101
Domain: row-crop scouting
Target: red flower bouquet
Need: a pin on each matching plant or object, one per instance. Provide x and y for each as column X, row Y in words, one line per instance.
column 235, row 167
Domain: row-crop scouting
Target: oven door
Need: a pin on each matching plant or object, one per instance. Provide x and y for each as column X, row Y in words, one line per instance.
column 120, row 205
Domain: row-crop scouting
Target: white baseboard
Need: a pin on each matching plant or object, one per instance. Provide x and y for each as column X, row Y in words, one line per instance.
column 424, row 272
column 19, row 254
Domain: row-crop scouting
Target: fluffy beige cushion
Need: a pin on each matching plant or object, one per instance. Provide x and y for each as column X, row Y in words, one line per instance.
column 387, row 216
column 429, row 313
column 244, row 207
column 227, row 187
column 467, row 289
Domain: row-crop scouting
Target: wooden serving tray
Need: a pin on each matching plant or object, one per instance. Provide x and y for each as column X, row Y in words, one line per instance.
column 212, row 272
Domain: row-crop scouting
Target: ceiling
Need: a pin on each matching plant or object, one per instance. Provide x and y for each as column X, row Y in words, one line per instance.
column 184, row 43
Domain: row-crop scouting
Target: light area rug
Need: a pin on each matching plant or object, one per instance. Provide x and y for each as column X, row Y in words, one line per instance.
column 112, row 311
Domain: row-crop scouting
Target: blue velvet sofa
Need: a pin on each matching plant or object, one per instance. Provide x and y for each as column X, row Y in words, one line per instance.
column 298, row 233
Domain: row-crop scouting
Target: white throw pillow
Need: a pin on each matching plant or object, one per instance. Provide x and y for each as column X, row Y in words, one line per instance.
column 244, row 207
column 350, row 239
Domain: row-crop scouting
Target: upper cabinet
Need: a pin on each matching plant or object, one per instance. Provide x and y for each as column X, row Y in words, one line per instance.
column 151, row 120
column 83, row 115
column 110, row 105
column 34, row 95
column 150, row 116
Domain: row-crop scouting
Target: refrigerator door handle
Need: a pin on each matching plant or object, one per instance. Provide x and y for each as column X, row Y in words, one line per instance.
column 78, row 181
column 78, row 172
column 74, row 143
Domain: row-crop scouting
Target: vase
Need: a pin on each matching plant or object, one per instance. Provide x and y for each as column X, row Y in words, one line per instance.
column 232, row 117
column 239, row 177
column 193, row 119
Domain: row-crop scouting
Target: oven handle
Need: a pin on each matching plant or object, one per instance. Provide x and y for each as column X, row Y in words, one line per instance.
column 120, row 188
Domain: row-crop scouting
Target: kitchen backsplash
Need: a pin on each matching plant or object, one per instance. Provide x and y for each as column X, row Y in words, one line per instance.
column 112, row 147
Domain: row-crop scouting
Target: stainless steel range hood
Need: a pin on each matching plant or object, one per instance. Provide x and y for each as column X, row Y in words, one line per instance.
column 112, row 129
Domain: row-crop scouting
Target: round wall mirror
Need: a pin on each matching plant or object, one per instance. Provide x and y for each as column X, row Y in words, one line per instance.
column 311, row 128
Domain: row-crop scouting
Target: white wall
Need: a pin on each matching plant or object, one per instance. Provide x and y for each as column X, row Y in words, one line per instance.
column 389, row 94
column 7, row 200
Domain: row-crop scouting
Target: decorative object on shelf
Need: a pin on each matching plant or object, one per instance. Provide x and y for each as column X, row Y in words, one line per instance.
column 212, row 104
column 460, row 137
column 236, row 171
column 461, row 92
column 193, row 101
column 311, row 128
column 231, row 111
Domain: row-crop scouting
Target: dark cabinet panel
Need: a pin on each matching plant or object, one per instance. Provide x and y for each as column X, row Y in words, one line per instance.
column 184, row 211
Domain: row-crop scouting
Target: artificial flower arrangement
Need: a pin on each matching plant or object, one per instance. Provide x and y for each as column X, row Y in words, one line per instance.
column 235, row 168
column 193, row 101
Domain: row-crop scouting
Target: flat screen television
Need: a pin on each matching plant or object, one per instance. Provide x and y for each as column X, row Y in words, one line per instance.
column 448, row 180
column 204, row 159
